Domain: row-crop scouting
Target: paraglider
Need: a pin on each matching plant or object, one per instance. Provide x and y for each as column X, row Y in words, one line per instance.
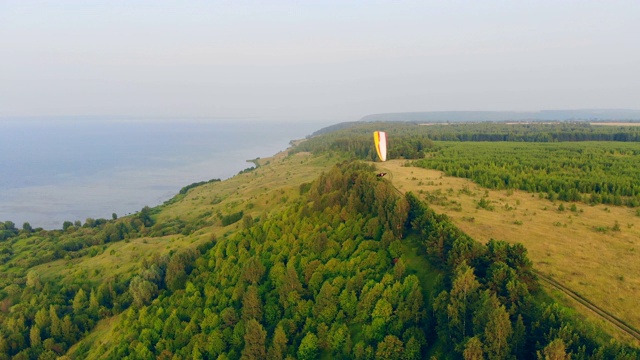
column 380, row 140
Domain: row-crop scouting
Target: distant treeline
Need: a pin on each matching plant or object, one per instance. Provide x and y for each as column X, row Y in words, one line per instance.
column 595, row 172
column 530, row 132
column 408, row 140
column 475, row 116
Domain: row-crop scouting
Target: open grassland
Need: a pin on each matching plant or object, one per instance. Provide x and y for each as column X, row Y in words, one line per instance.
column 593, row 250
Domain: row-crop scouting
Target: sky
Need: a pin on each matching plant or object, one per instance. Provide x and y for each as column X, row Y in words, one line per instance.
column 315, row 60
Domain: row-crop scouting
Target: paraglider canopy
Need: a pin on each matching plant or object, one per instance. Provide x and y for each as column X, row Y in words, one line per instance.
column 380, row 140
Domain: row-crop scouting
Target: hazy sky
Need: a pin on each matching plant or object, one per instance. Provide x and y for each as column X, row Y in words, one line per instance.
column 335, row 60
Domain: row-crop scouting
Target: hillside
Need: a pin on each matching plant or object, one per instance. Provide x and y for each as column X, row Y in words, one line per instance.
column 308, row 256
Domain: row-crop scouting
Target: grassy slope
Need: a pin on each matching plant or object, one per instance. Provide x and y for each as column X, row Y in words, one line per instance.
column 267, row 188
column 564, row 245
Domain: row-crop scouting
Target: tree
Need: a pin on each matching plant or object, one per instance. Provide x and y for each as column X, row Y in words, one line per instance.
column 464, row 292
column 79, row 301
column 518, row 338
column 33, row 280
column 66, row 225
column 56, row 329
column 412, row 349
column 176, row 275
column 247, row 221
column 251, row 304
column 34, row 336
column 142, row 291
column 9, row 225
column 555, row 350
column 254, row 341
column 390, row 348
column 497, row 333
column 253, row 270
column 69, row 330
column 473, row 349
column 308, row 349
column 27, row 227
column 278, row 345
column 145, row 216
column 326, row 303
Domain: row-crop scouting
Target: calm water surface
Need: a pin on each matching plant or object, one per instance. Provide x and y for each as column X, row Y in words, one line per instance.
column 57, row 170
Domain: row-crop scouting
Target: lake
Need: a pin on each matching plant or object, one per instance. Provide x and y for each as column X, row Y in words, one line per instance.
column 53, row 170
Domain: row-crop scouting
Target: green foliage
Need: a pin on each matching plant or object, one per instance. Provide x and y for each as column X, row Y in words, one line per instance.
column 356, row 141
column 595, row 172
column 330, row 276
column 186, row 189
column 413, row 141
column 484, row 203
column 291, row 276
column 489, row 310
column 308, row 349
column 231, row 218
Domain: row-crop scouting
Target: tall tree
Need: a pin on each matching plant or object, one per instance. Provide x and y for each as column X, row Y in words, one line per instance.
column 252, row 304
column 497, row 334
column 473, row 349
column 463, row 295
column 391, row 348
column 308, row 349
column 278, row 347
column 555, row 350
column 254, row 341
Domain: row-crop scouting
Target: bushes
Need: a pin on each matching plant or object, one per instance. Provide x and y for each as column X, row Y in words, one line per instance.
column 231, row 218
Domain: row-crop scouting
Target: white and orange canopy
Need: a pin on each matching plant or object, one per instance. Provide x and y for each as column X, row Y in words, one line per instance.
column 380, row 140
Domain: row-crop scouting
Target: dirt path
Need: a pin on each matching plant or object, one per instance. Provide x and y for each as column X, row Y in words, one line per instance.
column 591, row 306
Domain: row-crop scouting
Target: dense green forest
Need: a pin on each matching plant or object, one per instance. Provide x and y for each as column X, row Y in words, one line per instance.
column 329, row 276
column 350, row 268
column 594, row 172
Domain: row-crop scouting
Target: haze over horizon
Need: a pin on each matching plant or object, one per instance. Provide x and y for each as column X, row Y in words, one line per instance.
column 315, row 60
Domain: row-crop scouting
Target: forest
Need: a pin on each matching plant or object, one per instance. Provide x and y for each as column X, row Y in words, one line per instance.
column 348, row 268
column 593, row 172
column 329, row 276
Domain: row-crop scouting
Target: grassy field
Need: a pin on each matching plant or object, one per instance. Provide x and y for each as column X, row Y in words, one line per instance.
column 593, row 249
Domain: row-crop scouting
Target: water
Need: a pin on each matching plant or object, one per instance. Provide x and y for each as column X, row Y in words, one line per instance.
column 54, row 170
